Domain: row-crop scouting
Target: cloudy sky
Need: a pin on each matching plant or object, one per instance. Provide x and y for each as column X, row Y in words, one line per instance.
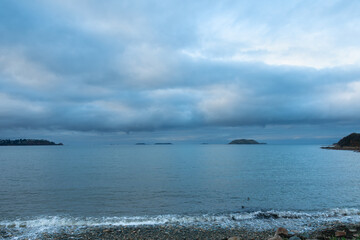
column 180, row 71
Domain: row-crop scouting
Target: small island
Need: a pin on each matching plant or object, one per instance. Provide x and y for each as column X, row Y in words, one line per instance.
column 163, row 143
column 350, row 142
column 27, row 142
column 244, row 141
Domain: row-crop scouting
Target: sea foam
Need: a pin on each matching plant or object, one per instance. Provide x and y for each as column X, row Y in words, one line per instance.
column 256, row 221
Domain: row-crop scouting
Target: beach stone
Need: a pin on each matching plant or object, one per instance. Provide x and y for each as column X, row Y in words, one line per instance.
column 294, row 238
column 234, row 238
column 340, row 234
column 282, row 232
column 305, row 235
column 276, row 237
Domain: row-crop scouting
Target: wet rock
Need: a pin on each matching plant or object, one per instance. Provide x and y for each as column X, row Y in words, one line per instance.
column 319, row 236
column 340, row 234
column 328, row 232
column 294, row 238
column 282, row 232
column 276, row 237
column 234, row 238
column 266, row 215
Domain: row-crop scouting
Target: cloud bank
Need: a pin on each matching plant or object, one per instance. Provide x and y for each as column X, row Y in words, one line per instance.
column 152, row 65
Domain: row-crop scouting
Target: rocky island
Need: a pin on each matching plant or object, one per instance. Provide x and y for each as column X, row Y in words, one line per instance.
column 244, row 141
column 26, row 142
column 350, row 142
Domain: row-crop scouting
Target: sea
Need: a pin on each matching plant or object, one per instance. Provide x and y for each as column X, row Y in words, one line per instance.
column 259, row 187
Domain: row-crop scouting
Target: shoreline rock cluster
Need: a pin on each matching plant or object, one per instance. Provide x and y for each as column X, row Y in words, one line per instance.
column 337, row 232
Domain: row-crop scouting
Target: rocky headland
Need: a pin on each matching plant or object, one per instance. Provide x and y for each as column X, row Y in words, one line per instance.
column 244, row 141
column 26, row 142
column 350, row 142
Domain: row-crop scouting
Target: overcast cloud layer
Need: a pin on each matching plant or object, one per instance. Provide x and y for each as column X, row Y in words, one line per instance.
column 134, row 66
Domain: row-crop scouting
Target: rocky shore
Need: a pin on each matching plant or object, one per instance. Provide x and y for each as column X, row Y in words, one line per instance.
column 335, row 231
column 336, row 147
column 350, row 142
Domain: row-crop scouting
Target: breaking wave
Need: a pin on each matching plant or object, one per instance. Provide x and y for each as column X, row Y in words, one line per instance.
column 257, row 221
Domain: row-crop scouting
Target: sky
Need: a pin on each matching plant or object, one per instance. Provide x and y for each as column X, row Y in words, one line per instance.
column 119, row 72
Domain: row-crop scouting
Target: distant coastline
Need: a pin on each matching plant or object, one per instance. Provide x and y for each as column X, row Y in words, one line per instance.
column 350, row 142
column 27, row 142
column 244, row 141
column 165, row 143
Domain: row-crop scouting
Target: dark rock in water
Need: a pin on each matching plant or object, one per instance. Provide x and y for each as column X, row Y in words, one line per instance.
column 163, row 143
column 350, row 142
column 26, row 142
column 266, row 215
column 244, row 141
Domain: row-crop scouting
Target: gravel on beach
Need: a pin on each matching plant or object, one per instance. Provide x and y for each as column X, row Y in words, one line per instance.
column 349, row 231
column 159, row 232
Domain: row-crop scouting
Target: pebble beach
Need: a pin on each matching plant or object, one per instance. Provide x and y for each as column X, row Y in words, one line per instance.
column 334, row 231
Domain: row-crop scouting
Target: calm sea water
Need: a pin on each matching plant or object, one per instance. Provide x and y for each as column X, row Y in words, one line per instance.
column 45, row 188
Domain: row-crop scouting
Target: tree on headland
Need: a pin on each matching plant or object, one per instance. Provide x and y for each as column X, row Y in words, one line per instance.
column 26, row 142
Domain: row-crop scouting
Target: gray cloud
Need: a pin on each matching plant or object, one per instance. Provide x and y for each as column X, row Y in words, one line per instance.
column 140, row 66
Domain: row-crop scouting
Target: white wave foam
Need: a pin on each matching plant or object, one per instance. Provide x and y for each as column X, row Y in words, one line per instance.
column 260, row 220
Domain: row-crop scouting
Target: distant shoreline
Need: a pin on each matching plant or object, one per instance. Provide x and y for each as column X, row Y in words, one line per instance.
column 244, row 142
column 350, row 142
column 28, row 142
